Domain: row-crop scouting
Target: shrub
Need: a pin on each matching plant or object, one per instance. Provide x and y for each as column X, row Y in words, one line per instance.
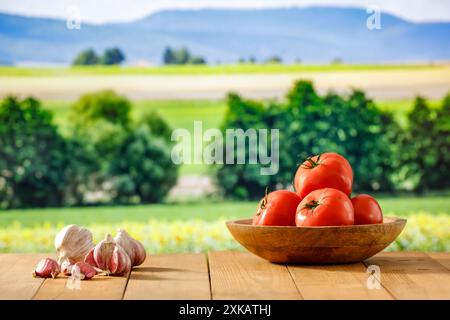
column 426, row 146
column 86, row 57
column 134, row 163
column 112, row 56
column 157, row 126
column 310, row 124
column 33, row 156
column 243, row 181
column 142, row 167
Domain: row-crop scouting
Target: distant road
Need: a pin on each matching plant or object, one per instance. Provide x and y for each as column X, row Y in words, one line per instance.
column 432, row 83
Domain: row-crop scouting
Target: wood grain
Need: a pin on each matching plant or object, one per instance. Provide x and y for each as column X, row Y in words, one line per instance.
column 441, row 257
column 348, row 281
column 241, row 275
column 16, row 280
column 412, row 275
column 97, row 288
column 172, row 276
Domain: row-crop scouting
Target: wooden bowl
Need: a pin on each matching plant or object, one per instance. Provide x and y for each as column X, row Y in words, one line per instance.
column 316, row 245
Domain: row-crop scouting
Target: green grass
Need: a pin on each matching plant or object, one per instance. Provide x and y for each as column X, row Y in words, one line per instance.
column 8, row 71
column 400, row 108
column 208, row 211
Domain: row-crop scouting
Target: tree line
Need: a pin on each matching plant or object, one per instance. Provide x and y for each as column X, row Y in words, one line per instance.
column 105, row 158
column 385, row 156
column 88, row 57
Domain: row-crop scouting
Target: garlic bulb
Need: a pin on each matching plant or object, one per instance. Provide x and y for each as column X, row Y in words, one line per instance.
column 73, row 243
column 110, row 257
column 134, row 248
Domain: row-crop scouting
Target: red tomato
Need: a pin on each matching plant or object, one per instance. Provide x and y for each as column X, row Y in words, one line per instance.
column 328, row 170
column 367, row 210
column 325, row 207
column 277, row 209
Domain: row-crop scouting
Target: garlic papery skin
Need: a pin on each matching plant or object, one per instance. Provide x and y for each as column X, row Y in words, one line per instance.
column 109, row 257
column 73, row 243
column 47, row 268
column 132, row 247
column 66, row 268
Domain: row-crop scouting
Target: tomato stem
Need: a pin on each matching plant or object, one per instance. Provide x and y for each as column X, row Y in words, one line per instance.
column 264, row 201
column 311, row 163
column 312, row 205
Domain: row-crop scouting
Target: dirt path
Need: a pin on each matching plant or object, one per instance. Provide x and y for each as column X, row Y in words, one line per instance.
column 385, row 84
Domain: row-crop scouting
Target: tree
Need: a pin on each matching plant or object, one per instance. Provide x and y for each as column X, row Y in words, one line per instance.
column 182, row 56
column 310, row 124
column 274, row 60
column 112, row 56
column 33, row 156
column 426, row 146
column 337, row 60
column 142, row 167
column 157, row 126
column 100, row 121
column 441, row 142
column 417, row 145
column 244, row 181
column 86, row 57
column 105, row 104
column 168, row 56
column 197, row 60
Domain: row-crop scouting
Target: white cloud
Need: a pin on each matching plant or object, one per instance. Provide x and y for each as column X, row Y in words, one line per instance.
column 101, row 11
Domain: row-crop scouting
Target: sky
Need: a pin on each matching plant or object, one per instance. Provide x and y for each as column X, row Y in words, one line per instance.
column 102, row 11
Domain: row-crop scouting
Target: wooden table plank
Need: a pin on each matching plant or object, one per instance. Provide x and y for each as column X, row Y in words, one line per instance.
column 348, row 281
column 16, row 280
column 441, row 257
column 412, row 275
column 171, row 276
column 97, row 288
column 241, row 275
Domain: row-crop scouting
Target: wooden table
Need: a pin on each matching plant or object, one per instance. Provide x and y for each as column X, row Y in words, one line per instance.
column 238, row 275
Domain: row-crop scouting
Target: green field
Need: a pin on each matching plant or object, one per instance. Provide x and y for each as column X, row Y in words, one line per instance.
column 7, row 71
column 182, row 113
column 208, row 211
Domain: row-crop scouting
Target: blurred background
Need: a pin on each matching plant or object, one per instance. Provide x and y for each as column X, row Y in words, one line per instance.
column 91, row 91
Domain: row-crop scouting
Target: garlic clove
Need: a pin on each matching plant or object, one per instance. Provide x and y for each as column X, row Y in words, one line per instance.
column 47, row 268
column 120, row 262
column 86, row 270
column 90, row 258
column 103, row 252
column 73, row 243
column 132, row 247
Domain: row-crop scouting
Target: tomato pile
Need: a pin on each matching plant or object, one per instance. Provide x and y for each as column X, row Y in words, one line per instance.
column 323, row 186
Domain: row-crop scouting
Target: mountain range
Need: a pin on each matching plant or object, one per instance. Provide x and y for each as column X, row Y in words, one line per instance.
column 313, row 35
